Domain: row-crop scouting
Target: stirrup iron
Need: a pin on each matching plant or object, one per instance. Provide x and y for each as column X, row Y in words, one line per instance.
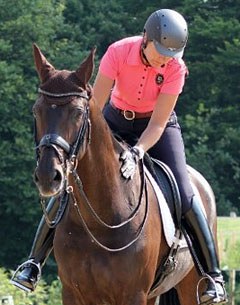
column 216, row 299
column 19, row 269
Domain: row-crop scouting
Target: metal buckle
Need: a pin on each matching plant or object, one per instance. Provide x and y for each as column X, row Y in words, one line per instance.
column 126, row 114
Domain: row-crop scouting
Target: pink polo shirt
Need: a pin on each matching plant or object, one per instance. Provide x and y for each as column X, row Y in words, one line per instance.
column 137, row 86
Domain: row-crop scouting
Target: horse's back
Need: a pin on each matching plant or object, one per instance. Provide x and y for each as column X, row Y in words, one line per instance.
column 203, row 189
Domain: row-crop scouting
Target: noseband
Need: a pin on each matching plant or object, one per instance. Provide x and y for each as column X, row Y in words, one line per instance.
column 54, row 140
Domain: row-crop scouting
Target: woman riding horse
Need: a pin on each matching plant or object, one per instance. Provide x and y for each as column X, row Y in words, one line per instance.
column 145, row 76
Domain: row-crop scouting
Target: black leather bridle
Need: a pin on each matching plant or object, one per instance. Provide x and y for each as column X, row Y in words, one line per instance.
column 55, row 140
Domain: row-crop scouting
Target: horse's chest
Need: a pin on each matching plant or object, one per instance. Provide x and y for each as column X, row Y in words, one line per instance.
column 84, row 263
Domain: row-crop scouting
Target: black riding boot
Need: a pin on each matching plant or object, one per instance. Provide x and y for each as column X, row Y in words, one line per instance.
column 196, row 226
column 28, row 274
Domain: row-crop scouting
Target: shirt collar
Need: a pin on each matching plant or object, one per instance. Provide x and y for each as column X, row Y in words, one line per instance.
column 134, row 57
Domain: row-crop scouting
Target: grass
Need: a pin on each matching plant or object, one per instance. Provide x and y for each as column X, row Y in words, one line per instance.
column 228, row 224
column 229, row 242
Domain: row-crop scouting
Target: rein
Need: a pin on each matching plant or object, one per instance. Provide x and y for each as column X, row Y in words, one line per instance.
column 134, row 214
column 55, row 141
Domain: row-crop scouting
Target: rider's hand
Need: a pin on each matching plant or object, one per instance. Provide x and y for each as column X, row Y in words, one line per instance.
column 130, row 158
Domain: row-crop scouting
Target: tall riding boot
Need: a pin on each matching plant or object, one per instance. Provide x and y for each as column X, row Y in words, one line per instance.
column 196, row 226
column 28, row 274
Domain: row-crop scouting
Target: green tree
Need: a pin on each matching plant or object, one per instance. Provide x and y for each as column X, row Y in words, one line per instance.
column 209, row 107
column 21, row 23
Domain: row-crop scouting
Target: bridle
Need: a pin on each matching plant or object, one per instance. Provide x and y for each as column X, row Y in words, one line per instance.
column 55, row 141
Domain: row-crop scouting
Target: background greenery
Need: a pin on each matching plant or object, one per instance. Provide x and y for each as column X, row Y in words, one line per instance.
column 66, row 30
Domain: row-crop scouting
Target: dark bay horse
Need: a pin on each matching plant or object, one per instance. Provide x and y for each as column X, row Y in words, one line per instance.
column 110, row 240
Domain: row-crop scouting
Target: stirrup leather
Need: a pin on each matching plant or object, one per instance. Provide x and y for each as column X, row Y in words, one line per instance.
column 217, row 299
column 14, row 281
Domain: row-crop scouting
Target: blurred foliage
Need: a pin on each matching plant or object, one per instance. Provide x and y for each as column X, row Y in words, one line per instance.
column 208, row 109
column 43, row 295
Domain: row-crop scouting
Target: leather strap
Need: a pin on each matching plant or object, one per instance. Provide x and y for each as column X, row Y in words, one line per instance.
column 130, row 114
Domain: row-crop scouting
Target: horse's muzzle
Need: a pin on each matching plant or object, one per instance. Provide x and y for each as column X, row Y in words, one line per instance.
column 49, row 174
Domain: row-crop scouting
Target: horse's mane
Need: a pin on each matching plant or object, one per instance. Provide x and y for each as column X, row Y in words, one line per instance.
column 130, row 140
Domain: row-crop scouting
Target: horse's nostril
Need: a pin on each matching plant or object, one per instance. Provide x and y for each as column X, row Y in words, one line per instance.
column 54, row 176
column 35, row 177
column 58, row 176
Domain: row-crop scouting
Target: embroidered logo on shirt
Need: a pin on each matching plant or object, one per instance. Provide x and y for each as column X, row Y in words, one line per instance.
column 159, row 79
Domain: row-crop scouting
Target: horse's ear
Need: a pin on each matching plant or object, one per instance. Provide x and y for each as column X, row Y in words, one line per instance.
column 85, row 71
column 44, row 68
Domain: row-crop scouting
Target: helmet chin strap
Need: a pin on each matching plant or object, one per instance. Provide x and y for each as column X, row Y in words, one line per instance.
column 142, row 54
column 144, row 58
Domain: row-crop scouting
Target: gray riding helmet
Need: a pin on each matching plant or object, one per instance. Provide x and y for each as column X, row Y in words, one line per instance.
column 169, row 32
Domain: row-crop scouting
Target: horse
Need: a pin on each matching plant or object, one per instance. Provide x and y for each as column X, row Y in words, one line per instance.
column 110, row 239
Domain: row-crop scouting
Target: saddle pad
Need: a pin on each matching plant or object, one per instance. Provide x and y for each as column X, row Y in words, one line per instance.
column 169, row 228
column 168, row 225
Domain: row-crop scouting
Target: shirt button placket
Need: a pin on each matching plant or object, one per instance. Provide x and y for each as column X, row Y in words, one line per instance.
column 142, row 82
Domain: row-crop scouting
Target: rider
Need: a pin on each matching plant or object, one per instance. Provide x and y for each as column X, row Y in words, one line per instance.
column 144, row 76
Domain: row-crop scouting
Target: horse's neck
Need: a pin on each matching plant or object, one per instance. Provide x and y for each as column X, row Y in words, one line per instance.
column 99, row 171
column 100, row 164
column 104, row 189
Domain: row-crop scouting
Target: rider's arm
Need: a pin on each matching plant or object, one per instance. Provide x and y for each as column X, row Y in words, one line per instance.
column 161, row 113
column 102, row 89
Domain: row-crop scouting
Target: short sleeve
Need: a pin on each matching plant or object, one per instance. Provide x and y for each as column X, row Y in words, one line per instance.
column 174, row 79
column 109, row 64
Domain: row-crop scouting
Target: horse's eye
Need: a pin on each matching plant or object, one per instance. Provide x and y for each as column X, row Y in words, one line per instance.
column 77, row 113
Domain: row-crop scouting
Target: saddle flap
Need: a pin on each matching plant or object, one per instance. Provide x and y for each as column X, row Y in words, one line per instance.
column 168, row 185
column 167, row 220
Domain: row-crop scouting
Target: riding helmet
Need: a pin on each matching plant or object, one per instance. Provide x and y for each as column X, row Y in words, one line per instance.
column 169, row 32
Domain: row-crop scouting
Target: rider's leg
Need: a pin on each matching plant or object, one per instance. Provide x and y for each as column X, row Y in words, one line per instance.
column 28, row 274
column 197, row 228
column 170, row 150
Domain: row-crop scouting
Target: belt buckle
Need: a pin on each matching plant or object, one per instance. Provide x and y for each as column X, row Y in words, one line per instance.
column 126, row 115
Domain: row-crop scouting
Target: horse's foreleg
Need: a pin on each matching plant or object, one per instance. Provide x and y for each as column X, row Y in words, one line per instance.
column 187, row 288
column 69, row 297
